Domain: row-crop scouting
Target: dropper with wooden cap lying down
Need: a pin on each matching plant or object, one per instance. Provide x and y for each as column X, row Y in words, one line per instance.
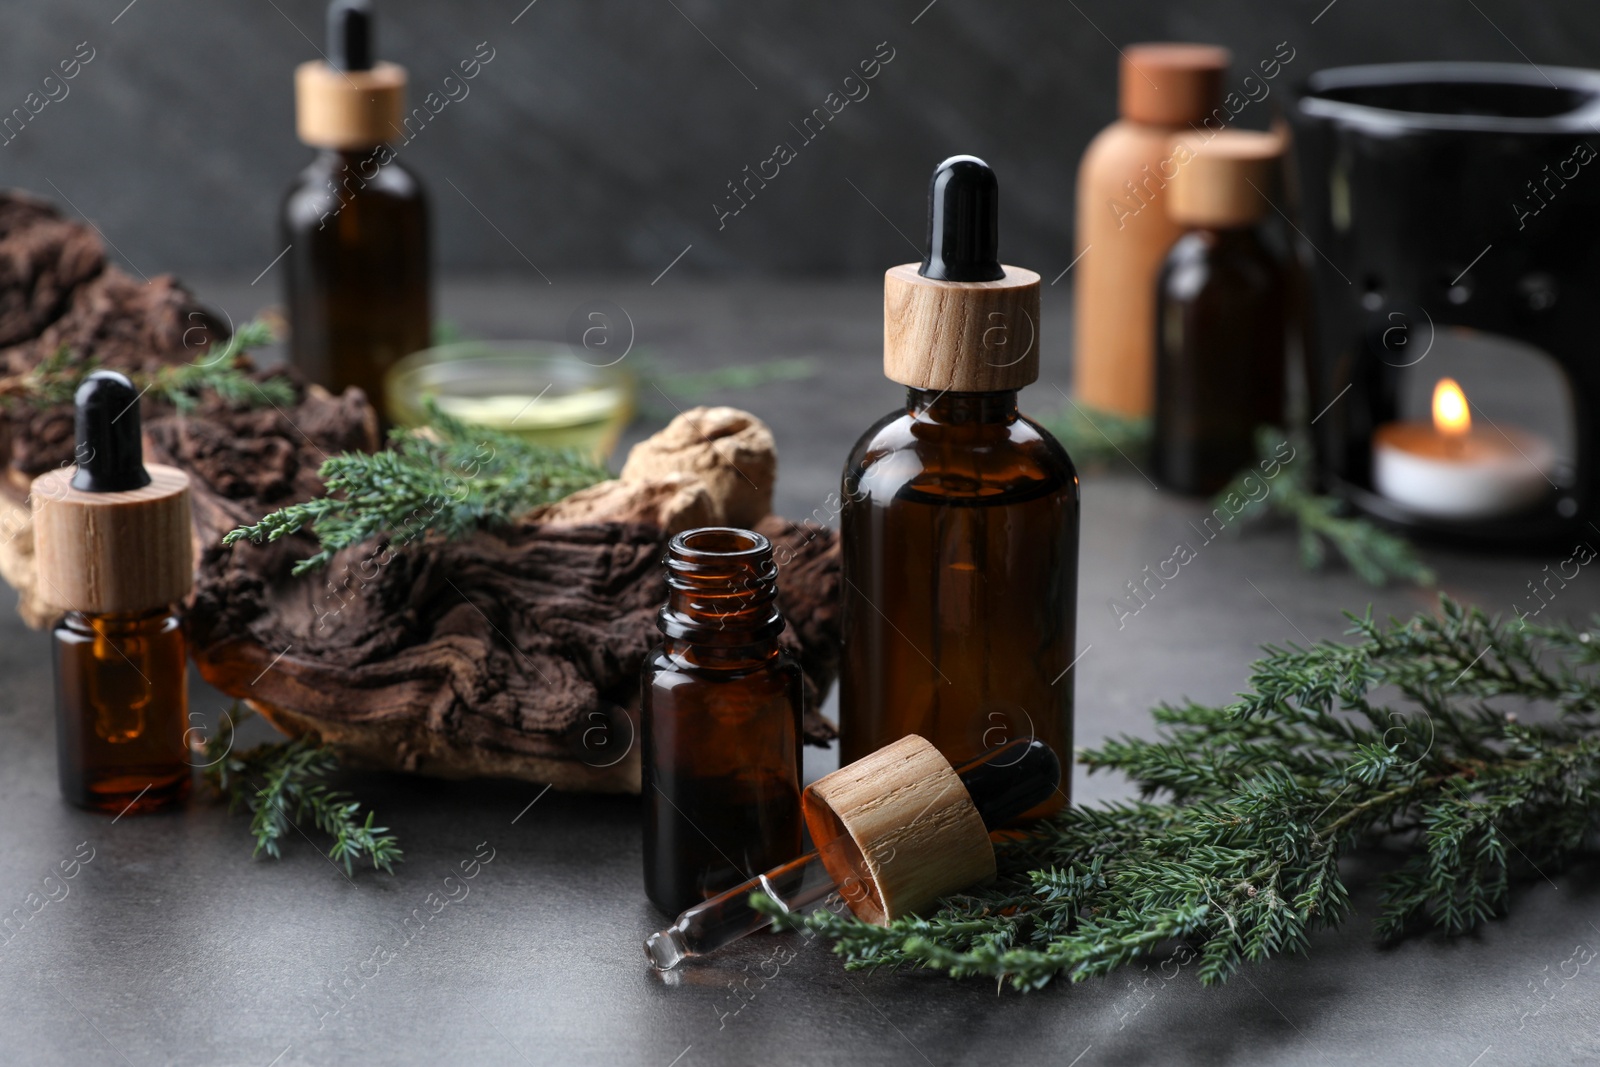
column 895, row 831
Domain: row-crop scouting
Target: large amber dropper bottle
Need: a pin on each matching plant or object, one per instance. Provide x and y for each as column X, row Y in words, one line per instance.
column 960, row 524
column 356, row 220
column 112, row 541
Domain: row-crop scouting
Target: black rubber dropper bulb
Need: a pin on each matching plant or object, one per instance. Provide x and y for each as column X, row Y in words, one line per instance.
column 110, row 453
column 1007, row 781
column 350, row 35
column 963, row 223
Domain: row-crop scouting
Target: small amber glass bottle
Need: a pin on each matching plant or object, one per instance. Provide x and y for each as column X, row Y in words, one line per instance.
column 356, row 220
column 722, row 709
column 112, row 540
column 1221, row 318
column 959, row 531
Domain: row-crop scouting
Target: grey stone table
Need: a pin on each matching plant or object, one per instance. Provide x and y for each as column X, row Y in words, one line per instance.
column 171, row 945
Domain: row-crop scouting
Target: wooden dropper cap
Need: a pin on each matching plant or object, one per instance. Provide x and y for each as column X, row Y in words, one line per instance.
column 1227, row 182
column 960, row 321
column 901, row 828
column 348, row 101
column 111, row 535
column 1171, row 84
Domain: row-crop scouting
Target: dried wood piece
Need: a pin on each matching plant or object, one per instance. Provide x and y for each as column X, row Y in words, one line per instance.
column 513, row 653
column 730, row 450
column 56, row 289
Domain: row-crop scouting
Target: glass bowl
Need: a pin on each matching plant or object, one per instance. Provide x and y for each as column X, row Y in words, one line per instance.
column 539, row 390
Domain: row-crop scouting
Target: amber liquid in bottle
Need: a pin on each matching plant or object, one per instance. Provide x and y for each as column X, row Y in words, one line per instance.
column 121, row 707
column 357, row 269
column 722, row 707
column 960, row 541
column 1220, row 357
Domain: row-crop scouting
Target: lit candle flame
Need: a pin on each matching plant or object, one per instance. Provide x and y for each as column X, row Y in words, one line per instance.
column 1450, row 414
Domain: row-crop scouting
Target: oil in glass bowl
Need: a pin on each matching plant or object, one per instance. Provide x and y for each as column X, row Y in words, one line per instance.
column 540, row 391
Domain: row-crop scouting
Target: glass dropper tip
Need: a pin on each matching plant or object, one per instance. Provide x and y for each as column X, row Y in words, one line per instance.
column 665, row 949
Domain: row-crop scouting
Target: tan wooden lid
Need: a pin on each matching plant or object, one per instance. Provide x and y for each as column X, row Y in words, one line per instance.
column 348, row 108
column 966, row 337
column 897, row 830
column 1171, row 84
column 1228, row 180
column 110, row 552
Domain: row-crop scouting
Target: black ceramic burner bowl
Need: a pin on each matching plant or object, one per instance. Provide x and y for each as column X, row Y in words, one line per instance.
column 1448, row 200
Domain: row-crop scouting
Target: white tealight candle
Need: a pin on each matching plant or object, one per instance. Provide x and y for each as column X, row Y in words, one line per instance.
column 1450, row 470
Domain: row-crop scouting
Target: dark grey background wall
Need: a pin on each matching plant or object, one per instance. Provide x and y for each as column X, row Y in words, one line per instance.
column 602, row 132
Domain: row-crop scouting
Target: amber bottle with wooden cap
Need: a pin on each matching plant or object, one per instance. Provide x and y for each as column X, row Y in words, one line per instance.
column 894, row 831
column 112, row 545
column 1221, row 315
column 1167, row 92
column 356, row 220
column 721, row 721
column 960, row 519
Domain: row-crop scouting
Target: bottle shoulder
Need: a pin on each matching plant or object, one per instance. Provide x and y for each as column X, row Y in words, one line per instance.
column 1235, row 263
column 668, row 669
column 370, row 179
column 902, row 452
column 1123, row 143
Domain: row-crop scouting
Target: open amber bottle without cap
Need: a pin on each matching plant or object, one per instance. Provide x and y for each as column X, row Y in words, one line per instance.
column 112, row 540
column 1220, row 311
column 721, row 723
column 960, row 524
column 356, row 220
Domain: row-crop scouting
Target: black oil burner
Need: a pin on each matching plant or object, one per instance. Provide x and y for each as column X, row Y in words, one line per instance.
column 1450, row 220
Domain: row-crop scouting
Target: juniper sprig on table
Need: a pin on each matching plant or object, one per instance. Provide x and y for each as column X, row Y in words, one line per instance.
column 279, row 783
column 450, row 479
column 1485, row 770
column 1324, row 522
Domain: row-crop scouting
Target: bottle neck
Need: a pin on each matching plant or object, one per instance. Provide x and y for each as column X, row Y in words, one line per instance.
column 368, row 158
column 115, row 621
column 1242, row 234
column 956, row 409
column 722, row 598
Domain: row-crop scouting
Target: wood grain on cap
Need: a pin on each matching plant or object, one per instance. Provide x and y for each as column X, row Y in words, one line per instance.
column 348, row 108
column 967, row 337
column 898, row 830
column 113, row 552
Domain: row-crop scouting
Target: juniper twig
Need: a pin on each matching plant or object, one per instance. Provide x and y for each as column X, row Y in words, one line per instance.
column 280, row 785
column 1233, row 853
column 448, row 480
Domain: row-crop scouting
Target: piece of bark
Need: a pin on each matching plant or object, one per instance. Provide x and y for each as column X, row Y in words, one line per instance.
column 513, row 653
column 731, row 451
column 56, row 289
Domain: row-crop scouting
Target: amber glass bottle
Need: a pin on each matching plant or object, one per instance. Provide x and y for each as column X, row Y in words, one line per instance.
column 721, row 711
column 356, row 220
column 121, row 701
column 112, row 540
column 960, row 524
column 1221, row 318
